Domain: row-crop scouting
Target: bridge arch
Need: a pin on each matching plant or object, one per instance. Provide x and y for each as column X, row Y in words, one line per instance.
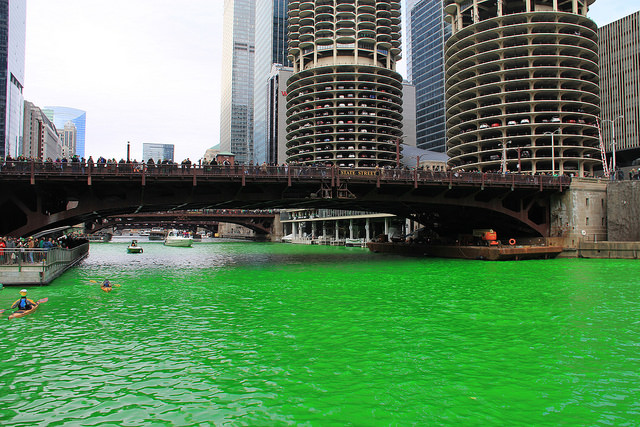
column 34, row 199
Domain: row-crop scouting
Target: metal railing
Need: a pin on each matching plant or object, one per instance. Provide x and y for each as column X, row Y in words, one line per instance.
column 44, row 260
column 38, row 169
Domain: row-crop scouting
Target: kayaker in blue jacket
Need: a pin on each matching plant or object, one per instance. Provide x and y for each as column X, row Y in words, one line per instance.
column 23, row 303
column 106, row 283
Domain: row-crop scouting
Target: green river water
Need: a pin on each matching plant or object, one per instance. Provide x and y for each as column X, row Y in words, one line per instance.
column 259, row 334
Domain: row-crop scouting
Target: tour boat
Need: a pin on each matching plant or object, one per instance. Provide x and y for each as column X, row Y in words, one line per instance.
column 176, row 238
column 133, row 248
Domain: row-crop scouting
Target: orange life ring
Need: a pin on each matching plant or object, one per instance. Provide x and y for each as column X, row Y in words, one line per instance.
column 512, row 242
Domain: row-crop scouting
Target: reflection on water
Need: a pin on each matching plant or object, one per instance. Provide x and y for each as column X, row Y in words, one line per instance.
column 263, row 334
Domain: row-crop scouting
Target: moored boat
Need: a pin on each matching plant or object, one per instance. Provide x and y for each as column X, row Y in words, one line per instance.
column 133, row 248
column 177, row 239
column 99, row 237
column 157, row 234
column 354, row 242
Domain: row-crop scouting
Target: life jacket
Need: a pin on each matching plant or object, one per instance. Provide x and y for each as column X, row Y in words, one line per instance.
column 24, row 304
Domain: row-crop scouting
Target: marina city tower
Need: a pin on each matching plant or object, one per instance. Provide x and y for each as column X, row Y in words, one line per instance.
column 522, row 86
column 344, row 99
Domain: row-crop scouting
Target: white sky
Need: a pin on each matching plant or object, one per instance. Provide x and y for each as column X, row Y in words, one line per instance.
column 146, row 70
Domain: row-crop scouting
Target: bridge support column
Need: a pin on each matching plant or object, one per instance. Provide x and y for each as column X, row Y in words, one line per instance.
column 386, row 226
column 314, row 226
column 294, row 230
column 367, row 226
column 351, row 229
column 337, row 230
column 324, row 229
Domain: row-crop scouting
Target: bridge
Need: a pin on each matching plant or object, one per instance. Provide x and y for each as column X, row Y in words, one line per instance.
column 261, row 222
column 37, row 196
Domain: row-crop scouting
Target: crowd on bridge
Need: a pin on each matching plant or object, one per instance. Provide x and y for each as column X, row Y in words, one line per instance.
column 80, row 164
column 15, row 250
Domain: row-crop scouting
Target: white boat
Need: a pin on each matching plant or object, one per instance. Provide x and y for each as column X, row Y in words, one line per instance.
column 354, row 242
column 176, row 238
column 133, row 248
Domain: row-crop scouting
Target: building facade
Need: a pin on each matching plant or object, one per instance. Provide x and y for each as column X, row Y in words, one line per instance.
column 40, row 137
column 13, row 17
column 427, row 34
column 522, row 86
column 157, row 152
column 409, row 118
column 344, row 99
column 68, row 139
column 619, row 44
column 238, row 49
column 271, row 48
column 61, row 115
column 276, row 145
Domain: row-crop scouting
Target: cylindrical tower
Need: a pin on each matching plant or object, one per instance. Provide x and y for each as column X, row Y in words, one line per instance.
column 522, row 86
column 344, row 100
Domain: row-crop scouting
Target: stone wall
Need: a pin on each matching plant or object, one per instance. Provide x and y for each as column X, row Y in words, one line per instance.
column 623, row 211
column 579, row 214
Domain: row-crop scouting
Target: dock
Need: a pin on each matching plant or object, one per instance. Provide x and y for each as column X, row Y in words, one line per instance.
column 38, row 266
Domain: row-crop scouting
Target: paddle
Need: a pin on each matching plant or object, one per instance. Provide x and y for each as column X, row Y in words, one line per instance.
column 40, row 301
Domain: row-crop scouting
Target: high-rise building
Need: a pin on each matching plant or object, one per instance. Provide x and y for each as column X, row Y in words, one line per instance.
column 344, row 100
column 427, row 33
column 13, row 17
column 276, row 140
column 619, row 44
column 271, row 48
column 522, row 86
column 40, row 137
column 408, row 114
column 238, row 47
column 157, row 152
column 68, row 139
column 61, row 115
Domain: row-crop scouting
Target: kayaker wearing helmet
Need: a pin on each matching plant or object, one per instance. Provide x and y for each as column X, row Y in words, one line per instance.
column 23, row 303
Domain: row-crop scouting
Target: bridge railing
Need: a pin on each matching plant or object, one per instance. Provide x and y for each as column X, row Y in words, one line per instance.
column 290, row 172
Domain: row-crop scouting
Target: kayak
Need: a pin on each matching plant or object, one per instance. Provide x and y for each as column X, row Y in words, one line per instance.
column 106, row 288
column 21, row 313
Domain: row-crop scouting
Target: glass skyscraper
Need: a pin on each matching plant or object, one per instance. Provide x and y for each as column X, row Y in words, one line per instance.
column 271, row 48
column 157, row 152
column 61, row 115
column 427, row 34
column 13, row 17
column 238, row 47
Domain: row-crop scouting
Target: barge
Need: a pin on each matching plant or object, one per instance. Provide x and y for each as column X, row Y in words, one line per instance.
column 489, row 253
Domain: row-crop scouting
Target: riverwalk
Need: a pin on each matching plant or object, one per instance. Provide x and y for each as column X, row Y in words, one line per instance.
column 38, row 266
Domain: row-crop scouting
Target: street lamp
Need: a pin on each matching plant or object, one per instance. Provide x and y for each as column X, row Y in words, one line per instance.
column 613, row 142
column 553, row 151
